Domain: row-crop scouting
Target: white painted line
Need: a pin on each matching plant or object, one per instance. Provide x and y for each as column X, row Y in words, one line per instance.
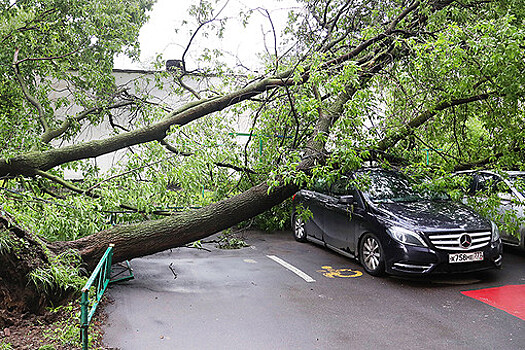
column 292, row 268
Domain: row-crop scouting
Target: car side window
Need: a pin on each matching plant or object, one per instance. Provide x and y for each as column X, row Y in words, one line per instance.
column 469, row 186
column 344, row 186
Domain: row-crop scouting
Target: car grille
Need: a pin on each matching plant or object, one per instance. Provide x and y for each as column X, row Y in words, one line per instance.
column 451, row 241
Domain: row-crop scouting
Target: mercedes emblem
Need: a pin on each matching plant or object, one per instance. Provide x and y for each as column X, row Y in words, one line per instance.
column 465, row 241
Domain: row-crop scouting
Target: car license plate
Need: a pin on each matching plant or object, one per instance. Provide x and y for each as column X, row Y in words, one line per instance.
column 465, row 257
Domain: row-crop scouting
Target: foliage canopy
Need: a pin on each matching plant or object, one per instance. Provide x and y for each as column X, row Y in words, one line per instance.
column 393, row 81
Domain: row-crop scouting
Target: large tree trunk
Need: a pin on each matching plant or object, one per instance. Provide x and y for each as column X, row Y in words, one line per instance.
column 150, row 237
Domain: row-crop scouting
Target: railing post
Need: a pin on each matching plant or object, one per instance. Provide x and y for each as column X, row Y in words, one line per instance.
column 108, row 264
column 84, row 305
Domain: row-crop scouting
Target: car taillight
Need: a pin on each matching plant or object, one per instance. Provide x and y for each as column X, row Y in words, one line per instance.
column 293, row 197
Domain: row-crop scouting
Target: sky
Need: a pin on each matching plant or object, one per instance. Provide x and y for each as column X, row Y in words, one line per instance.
column 160, row 34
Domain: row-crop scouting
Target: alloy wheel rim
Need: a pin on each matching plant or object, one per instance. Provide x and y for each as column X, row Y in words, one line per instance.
column 371, row 253
column 299, row 227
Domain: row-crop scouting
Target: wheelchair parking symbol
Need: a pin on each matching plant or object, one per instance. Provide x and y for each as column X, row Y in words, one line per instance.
column 330, row 272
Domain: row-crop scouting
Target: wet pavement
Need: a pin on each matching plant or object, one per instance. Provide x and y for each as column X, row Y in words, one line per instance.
column 253, row 298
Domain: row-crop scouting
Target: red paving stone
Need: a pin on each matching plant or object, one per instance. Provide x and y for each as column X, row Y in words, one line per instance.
column 510, row 298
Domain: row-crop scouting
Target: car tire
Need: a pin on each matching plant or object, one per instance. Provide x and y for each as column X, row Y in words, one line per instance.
column 371, row 255
column 299, row 229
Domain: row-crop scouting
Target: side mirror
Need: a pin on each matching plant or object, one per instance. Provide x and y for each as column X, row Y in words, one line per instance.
column 346, row 199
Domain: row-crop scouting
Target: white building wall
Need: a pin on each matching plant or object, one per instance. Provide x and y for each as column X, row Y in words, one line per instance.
column 138, row 83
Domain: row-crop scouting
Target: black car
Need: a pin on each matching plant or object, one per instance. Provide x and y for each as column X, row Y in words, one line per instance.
column 392, row 228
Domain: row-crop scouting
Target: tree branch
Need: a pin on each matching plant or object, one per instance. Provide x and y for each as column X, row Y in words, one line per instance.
column 28, row 163
column 27, row 27
column 32, row 100
column 66, row 184
column 482, row 162
column 367, row 43
column 187, row 87
column 201, row 25
column 172, row 149
column 236, row 168
column 89, row 190
column 52, row 134
column 51, row 58
column 391, row 140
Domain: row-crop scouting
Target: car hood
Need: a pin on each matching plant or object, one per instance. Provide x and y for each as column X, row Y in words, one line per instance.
column 433, row 215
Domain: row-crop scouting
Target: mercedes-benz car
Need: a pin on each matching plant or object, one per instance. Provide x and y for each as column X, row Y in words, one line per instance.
column 376, row 216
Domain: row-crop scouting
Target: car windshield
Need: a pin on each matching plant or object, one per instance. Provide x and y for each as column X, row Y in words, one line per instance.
column 388, row 186
column 518, row 181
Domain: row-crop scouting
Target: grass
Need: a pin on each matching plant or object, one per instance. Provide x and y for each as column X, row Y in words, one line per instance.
column 60, row 277
column 5, row 346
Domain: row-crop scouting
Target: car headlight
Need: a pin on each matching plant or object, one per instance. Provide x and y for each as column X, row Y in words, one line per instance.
column 495, row 232
column 405, row 236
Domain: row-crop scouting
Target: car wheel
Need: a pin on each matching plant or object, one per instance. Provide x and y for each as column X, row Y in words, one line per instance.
column 299, row 230
column 371, row 255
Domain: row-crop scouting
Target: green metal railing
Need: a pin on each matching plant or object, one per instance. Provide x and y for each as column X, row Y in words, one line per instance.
column 99, row 278
column 98, row 281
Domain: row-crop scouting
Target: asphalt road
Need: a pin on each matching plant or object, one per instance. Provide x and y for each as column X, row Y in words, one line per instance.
column 246, row 299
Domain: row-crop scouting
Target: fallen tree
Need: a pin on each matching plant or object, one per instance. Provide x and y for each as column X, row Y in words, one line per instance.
column 351, row 61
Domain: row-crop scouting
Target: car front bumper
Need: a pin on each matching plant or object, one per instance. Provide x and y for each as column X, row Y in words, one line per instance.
column 411, row 260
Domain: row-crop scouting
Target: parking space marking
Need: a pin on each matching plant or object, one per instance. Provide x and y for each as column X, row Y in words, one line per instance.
column 292, row 268
column 510, row 299
column 330, row 272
